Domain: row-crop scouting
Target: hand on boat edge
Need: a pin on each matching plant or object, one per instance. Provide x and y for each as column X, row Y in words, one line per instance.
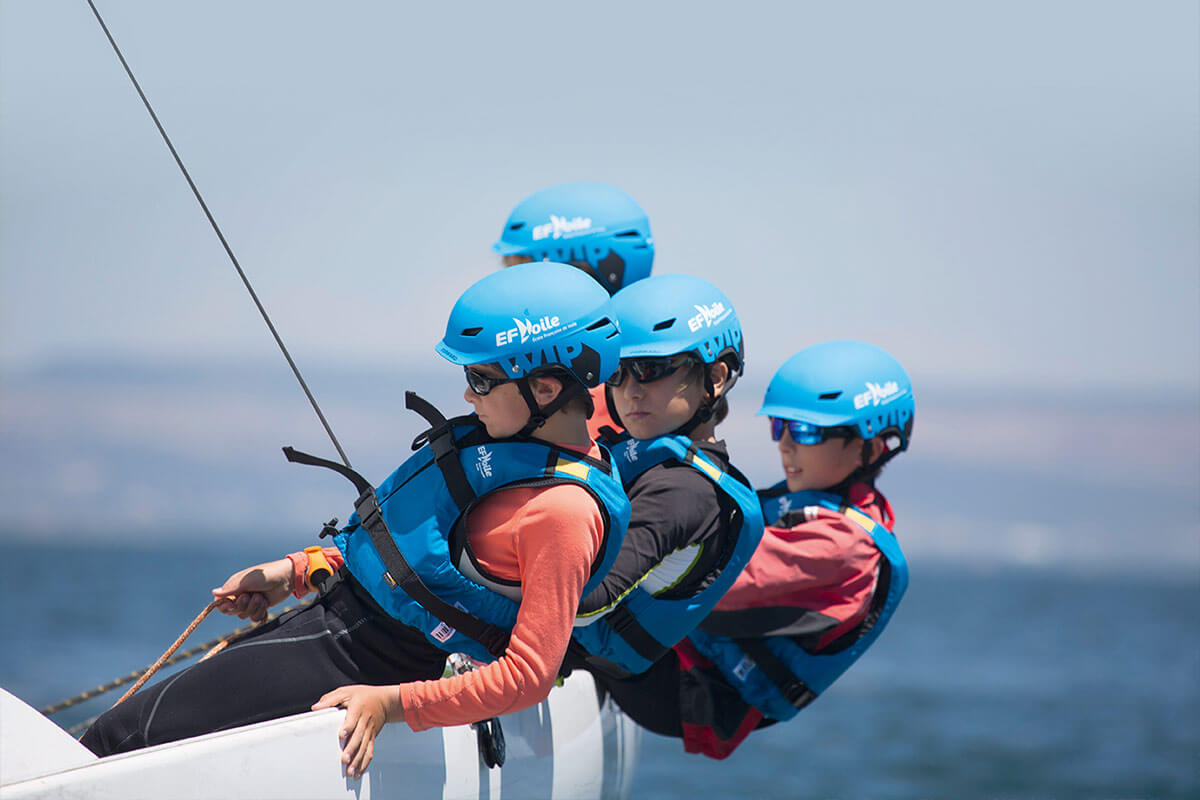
column 367, row 709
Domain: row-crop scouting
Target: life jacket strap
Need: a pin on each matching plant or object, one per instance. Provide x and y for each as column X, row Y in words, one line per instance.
column 440, row 438
column 793, row 689
column 399, row 573
column 626, row 625
column 608, row 435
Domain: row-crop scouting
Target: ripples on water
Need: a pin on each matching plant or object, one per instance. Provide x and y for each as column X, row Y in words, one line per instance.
column 1010, row 684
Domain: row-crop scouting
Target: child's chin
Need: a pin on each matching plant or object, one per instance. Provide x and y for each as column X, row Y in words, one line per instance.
column 795, row 485
column 496, row 433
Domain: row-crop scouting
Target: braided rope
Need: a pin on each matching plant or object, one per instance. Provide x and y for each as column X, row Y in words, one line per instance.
column 209, row 648
column 163, row 658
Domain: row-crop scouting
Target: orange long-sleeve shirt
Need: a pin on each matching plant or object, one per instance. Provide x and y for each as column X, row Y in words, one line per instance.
column 601, row 416
column 547, row 539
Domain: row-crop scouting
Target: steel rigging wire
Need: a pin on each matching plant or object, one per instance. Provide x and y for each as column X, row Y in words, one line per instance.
column 212, row 221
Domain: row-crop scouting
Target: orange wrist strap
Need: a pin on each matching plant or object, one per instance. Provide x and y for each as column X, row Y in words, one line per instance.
column 318, row 566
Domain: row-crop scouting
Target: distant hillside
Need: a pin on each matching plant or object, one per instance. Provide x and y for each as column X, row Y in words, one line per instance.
column 138, row 451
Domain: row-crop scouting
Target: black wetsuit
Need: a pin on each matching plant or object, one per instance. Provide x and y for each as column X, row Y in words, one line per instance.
column 278, row 669
column 673, row 506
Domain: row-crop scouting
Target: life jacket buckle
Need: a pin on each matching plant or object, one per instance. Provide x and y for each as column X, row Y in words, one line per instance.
column 367, row 508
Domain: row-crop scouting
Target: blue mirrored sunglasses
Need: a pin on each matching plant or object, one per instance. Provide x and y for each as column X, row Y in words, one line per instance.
column 804, row 433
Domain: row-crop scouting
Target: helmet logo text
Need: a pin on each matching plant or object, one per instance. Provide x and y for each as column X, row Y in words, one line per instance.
column 565, row 354
column 877, row 394
column 558, row 227
column 525, row 329
column 709, row 315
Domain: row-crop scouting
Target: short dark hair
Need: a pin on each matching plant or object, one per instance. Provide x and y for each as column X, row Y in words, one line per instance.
column 720, row 410
column 869, row 473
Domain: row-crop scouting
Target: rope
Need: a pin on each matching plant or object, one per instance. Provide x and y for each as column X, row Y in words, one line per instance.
column 212, row 647
column 163, row 658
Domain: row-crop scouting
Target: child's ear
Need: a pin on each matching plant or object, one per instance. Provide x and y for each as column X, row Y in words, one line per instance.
column 545, row 388
column 718, row 373
column 877, row 448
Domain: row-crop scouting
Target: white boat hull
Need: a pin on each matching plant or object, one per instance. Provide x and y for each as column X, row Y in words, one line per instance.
column 568, row 746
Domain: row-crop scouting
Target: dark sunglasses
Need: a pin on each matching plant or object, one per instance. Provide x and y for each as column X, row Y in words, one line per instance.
column 649, row 369
column 804, row 433
column 483, row 384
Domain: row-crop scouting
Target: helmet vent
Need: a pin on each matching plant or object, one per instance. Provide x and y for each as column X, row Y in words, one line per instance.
column 471, row 331
column 516, row 226
column 600, row 323
column 626, row 234
column 829, row 396
column 666, row 323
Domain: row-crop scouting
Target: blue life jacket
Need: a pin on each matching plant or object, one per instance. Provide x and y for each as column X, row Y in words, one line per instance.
column 629, row 636
column 407, row 548
column 774, row 673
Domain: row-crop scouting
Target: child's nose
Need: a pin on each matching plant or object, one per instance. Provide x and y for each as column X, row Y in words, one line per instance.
column 633, row 388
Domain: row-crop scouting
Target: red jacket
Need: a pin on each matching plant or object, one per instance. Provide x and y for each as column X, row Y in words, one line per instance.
column 826, row 565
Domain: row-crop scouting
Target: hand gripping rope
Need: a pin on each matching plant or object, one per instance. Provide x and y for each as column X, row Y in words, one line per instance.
column 493, row 640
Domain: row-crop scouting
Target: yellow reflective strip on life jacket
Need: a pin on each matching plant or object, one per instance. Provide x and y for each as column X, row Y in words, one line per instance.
column 862, row 519
column 709, row 469
column 576, row 469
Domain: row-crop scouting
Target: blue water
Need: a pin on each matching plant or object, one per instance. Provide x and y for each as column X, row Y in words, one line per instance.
column 1006, row 684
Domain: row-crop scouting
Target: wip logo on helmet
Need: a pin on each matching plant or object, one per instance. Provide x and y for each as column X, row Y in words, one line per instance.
column 577, row 358
column 559, row 227
column 709, row 315
column 877, row 394
column 525, row 329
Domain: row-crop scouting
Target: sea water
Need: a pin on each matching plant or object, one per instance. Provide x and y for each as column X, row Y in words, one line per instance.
column 988, row 684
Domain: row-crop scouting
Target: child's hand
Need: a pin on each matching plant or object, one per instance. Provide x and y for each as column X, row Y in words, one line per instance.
column 249, row 593
column 367, row 709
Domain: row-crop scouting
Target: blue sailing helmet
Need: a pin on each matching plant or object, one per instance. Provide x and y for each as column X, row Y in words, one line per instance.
column 593, row 226
column 668, row 314
column 845, row 383
column 532, row 317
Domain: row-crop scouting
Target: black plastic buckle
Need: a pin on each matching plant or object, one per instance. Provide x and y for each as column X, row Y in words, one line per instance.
column 367, row 508
column 490, row 738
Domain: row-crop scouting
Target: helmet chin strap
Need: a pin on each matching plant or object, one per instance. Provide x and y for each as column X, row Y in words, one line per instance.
column 859, row 474
column 705, row 411
column 539, row 414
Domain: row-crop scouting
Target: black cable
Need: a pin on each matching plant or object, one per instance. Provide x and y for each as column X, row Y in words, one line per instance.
column 220, row 235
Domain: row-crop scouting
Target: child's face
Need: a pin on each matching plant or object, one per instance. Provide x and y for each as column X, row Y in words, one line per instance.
column 653, row 409
column 502, row 410
column 818, row 466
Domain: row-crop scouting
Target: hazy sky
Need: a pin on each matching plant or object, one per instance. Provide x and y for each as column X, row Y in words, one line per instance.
column 1001, row 195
